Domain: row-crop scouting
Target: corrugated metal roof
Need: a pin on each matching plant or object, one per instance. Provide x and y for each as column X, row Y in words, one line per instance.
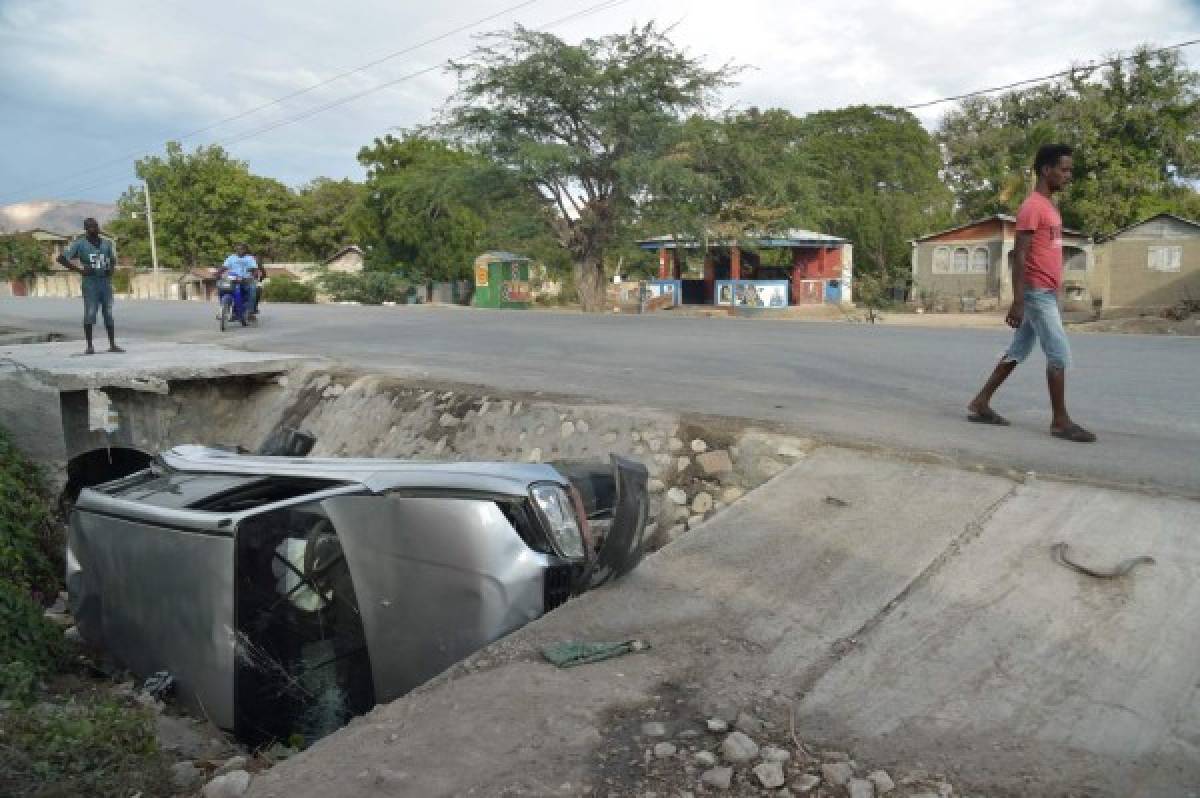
column 787, row 238
column 1126, row 229
column 1004, row 217
column 504, row 257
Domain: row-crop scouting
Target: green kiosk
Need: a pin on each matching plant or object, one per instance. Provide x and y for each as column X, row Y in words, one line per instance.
column 502, row 281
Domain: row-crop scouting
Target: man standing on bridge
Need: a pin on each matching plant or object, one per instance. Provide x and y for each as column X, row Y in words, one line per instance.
column 96, row 263
column 1036, row 277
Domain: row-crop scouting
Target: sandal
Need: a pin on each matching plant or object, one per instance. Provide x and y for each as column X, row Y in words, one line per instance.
column 1074, row 433
column 988, row 416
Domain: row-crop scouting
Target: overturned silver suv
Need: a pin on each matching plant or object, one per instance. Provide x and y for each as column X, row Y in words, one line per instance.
column 286, row 595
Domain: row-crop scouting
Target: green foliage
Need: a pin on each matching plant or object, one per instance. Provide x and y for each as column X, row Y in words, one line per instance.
column 95, row 746
column 122, row 280
column 30, row 646
column 286, row 289
column 22, row 256
column 585, row 129
column 369, row 288
column 27, row 535
column 323, row 217
column 1134, row 128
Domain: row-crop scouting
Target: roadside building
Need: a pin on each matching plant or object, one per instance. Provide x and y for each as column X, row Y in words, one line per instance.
column 798, row 267
column 972, row 263
column 1149, row 266
column 57, row 281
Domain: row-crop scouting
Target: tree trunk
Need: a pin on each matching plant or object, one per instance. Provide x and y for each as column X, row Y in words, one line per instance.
column 589, row 282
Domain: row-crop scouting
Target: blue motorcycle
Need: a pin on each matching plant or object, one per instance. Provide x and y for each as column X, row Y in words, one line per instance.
column 233, row 302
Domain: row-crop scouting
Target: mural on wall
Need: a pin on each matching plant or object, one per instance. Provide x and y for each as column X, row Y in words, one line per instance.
column 516, row 289
column 753, row 293
column 671, row 289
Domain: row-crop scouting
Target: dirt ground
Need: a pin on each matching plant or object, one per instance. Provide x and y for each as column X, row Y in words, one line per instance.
column 1141, row 325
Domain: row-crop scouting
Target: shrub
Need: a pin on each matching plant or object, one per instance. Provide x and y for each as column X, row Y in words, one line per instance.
column 287, row 289
column 30, row 646
column 28, row 539
column 369, row 288
column 94, row 745
column 122, row 281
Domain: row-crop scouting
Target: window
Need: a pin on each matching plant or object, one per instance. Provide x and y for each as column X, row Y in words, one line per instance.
column 1164, row 259
column 961, row 260
column 980, row 260
column 1076, row 259
column 941, row 260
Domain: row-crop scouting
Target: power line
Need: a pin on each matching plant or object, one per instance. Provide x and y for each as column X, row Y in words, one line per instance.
column 272, row 103
column 235, row 139
column 1063, row 73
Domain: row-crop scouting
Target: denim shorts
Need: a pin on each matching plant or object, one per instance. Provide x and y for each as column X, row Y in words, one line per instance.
column 1043, row 323
column 97, row 295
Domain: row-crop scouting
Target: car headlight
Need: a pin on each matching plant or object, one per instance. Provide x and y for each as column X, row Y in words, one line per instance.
column 557, row 512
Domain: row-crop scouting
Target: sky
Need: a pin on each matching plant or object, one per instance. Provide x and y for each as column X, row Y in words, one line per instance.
column 88, row 86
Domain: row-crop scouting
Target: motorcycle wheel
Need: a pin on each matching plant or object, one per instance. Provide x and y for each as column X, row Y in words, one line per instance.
column 224, row 315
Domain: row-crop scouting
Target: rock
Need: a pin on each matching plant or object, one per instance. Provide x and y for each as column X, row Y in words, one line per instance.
column 231, row 764
column 665, row 750
column 702, row 503
column 860, row 788
column 770, row 775
column 730, row 495
column 682, row 464
column 718, row 778
column 806, row 783
column 655, row 486
column 738, row 748
column 677, row 496
column 186, row 776
column 714, row 463
column 337, row 390
column 675, row 445
column 699, row 446
column 837, row 773
column 749, row 724
column 835, row 756
column 568, row 429
column 662, row 460
column 695, row 521
column 676, row 532
column 717, row 725
column 706, row 759
column 654, row 729
column 882, row 781
column 770, row 754
column 448, row 420
column 229, row 785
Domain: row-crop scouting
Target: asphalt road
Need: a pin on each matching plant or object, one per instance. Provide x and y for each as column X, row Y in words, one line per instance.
column 899, row 387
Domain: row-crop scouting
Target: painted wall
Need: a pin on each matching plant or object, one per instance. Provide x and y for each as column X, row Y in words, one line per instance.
column 1125, row 276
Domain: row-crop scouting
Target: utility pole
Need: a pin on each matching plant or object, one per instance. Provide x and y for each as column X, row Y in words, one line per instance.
column 150, row 223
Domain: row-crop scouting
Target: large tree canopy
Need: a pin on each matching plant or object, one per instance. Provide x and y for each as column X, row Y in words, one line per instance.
column 585, row 128
column 1134, row 126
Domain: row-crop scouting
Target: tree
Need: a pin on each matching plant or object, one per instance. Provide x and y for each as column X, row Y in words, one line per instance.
column 1134, row 128
column 413, row 213
column 323, row 217
column 21, row 255
column 584, row 128
column 204, row 202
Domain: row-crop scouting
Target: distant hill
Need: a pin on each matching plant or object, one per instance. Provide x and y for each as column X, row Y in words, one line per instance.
column 65, row 217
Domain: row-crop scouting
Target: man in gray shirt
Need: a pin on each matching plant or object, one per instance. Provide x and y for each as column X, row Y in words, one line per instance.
column 96, row 263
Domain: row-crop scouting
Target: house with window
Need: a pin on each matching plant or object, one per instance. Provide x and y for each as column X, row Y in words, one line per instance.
column 1149, row 266
column 974, row 262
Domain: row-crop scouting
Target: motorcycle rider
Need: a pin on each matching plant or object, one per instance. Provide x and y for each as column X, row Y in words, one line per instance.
column 243, row 266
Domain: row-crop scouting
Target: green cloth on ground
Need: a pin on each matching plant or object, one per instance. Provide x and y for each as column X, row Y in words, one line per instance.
column 570, row 653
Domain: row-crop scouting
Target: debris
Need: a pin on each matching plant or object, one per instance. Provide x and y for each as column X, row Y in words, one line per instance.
column 806, row 783
column 749, row 724
column 682, row 464
column 720, row 778
column 228, row 785
column 570, row 653
column 860, row 788
column 769, row 775
column 717, row 725
column 655, row 486
column 699, row 446
column 159, row 686
column 738, row 748
column 705, row 759
column 677, row 496
column 702, row 503
column 1059, row 552
column 448, row 420
column 834, row 501
column 837, row 773
column 675, row 445
column 665, row 750
column 568, row 429
column 882, row 781
column 231, row 764
column 732, row 494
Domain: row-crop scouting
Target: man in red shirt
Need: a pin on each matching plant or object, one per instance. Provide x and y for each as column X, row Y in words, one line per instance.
column 1036, row 278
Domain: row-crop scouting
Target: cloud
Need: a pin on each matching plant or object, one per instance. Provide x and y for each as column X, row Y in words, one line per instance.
column 84, row 82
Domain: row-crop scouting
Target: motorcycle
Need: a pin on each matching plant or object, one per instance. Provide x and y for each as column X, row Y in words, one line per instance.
column 233, row 302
